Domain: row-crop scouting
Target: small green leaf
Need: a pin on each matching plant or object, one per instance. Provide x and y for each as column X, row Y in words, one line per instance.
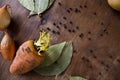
column 77, row 78
column 60, row 65
column 29, row 4
column 52, row 54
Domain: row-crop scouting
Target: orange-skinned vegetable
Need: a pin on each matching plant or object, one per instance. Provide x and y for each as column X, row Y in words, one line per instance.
column 30, row 54
column 7, row 47
column 5, row 17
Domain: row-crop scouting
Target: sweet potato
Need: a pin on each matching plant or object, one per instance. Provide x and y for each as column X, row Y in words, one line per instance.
column 7, row 47
column 30, row 54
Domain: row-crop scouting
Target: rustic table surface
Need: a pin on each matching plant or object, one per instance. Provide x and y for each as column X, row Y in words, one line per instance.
column 93, row 27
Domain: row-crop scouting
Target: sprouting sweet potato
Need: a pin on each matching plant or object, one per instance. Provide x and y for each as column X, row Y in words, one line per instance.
column 30, row 54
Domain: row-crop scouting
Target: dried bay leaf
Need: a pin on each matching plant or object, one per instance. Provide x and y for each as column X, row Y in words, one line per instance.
column 52, row 54
column 41, row 6
column 29, row 4
column 50, row 3
column 36, row 6
column 60, row 65
column 77, row 78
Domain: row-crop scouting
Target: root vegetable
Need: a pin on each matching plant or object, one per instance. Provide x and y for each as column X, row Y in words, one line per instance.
column 30, row 54
column 7, row 47
column 5, row 17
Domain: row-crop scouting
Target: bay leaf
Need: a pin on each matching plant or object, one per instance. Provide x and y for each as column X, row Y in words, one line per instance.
column 77, row 78
column 60, row 65
column 29, row 4
column 50, row 3
column 41, row 6
column 52, row 54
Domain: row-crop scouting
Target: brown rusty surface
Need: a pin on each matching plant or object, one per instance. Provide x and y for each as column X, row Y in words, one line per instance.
column 93, row 27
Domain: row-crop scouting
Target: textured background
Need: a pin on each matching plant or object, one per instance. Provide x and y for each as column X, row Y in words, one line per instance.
column 93, row 27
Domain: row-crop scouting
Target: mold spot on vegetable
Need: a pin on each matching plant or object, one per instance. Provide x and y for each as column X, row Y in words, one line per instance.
column 23, row 49
column 28, row 50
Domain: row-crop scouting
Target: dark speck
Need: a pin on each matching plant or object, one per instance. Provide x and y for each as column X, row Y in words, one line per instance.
column 65, row 26
column 76, row 10
column 64, row 18
column 69, row 30
column 100, row 73
column 68, row 11
column 110, row 56
column 74, row 51
column 59, row 4
column 89, row 39
column 81, row 35
column 90, row 66
column 58, row 27
column 106, row 69
column 60, row 23
column 54, row 24
column 48, row 29
column 83, row 58
column 53, row 32
column 58, row 33
column 71, row 9
column 71, row 22
column 101, row 35
column 105, row 30
column 94, row 56
column 102, row 63
column 77, row 27
column 89, row 32
column 80, row 6
column 102, row 23
column 85, row 6
column 107, row 66
column 95, row 13
column 91, row 51
column 73, row 31
column 118, row 60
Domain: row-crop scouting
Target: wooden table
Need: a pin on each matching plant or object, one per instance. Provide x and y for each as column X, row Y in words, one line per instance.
column 93, row 27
